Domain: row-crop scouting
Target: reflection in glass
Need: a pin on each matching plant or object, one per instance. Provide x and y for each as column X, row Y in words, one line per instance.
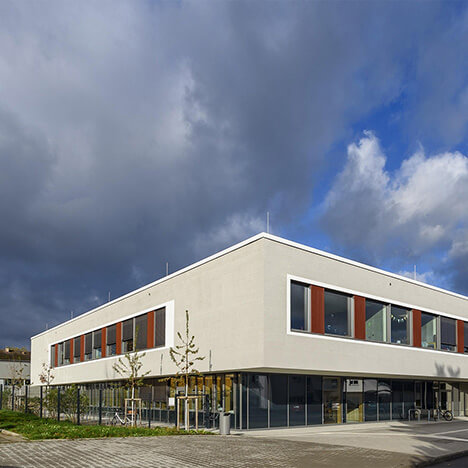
column 278, row 400
column 400, row 325
column 331, row 400
column 370, row 399
column 376, row 321
column 448, row 336
column 384, row 390
column 397, row 400
column 336, row 313
column 314, row 400
column 297, row 398
column 300, row 306
column 428, row 331
column 258, row 401
column 354, row 407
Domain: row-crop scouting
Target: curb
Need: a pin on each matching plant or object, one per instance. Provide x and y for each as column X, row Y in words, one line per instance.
column 14, row 434
column 441, row 459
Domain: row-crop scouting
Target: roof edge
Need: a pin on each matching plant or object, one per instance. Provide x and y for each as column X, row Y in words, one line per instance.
column 261, row 235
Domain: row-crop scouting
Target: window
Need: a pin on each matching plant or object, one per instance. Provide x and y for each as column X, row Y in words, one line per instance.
column 141, row 331
column 337, row 313
column 428, row 331
column 76, row 349
column 448, row 334
column 111, row 341
column 97, row 344
column 465, row 324
column 60, row 354
column 400, row 325
column 127, row 336
column 300, row 309
column 52, row 356
column 160, row 328
column 88, row 347
column 376, row 321
column 66, row 358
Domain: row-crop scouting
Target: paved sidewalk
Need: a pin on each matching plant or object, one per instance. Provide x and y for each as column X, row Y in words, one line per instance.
column 193, row 452
column 427, row 440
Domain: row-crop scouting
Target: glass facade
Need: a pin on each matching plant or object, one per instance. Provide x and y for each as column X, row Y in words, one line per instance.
column 300, row 309
column 337, row 313
column 376, row 321
column 428, row 331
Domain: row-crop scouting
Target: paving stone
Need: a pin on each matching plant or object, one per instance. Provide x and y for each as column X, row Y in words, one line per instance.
column 192, row 452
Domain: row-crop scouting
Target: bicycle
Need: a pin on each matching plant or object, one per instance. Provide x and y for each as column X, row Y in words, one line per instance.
column 446, row 414
column 116, row 420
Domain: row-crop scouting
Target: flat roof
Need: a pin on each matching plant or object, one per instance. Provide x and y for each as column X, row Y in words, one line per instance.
column 262, row 235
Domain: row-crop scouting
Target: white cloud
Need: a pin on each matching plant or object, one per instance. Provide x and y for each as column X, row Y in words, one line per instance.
column 419, row 211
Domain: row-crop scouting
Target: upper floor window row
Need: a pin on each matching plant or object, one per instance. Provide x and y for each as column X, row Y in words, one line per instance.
column 141, row 332
column 321, row 310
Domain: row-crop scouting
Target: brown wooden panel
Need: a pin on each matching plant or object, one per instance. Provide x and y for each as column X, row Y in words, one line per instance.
column 150, row 330
column 71, row 351
column 416, row 328
column 460, row 336
column 118, row 338
column 317, row 305
column 103, row 341
column 56, row 355
column 360, row 317
column 82, row 348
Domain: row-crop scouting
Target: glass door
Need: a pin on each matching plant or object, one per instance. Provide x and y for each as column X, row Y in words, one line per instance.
column 332, row 400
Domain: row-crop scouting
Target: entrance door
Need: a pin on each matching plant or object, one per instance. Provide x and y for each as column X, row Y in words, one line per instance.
column 332, row 400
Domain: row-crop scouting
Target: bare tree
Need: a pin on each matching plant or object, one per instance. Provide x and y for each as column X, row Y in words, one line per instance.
column 129, row 368
column 184, row 356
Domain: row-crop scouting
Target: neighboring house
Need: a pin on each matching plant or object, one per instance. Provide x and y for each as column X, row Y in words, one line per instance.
column 14, row 365
column 291, row 336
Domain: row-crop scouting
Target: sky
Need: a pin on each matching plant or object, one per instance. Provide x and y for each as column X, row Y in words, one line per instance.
column 135, row 133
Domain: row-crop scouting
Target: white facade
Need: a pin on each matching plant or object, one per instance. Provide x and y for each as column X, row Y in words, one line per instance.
column 240, row 313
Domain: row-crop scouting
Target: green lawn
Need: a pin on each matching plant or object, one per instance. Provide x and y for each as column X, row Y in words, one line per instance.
column 35, row 428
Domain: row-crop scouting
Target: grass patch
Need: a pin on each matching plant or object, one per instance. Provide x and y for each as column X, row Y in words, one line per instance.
column 34, row 428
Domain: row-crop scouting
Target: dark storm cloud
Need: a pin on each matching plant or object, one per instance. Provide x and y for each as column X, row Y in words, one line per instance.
column 135, row 133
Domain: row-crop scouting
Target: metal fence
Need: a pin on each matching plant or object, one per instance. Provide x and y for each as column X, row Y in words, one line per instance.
column 85, row 405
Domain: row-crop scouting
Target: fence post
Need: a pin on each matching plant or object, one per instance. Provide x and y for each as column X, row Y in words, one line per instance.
column 100, row 406
column 26, row 399
column 40, row 403
column 58, row 403
column 1, row 396
column 149, row 415
column 78, row 409
column 13, row 398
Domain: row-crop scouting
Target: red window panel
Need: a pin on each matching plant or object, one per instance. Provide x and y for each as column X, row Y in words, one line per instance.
column 317, row 304
column 150, row 330
column 103, row 342
column 416, row 328
column 56, row 355
column 118, row 338
column 460, row 336
column 360, row 317
column 71, row 351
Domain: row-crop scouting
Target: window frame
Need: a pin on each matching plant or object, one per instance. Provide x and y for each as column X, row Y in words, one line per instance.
column 349, row 313
column 307, row 311
column 440, row 343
